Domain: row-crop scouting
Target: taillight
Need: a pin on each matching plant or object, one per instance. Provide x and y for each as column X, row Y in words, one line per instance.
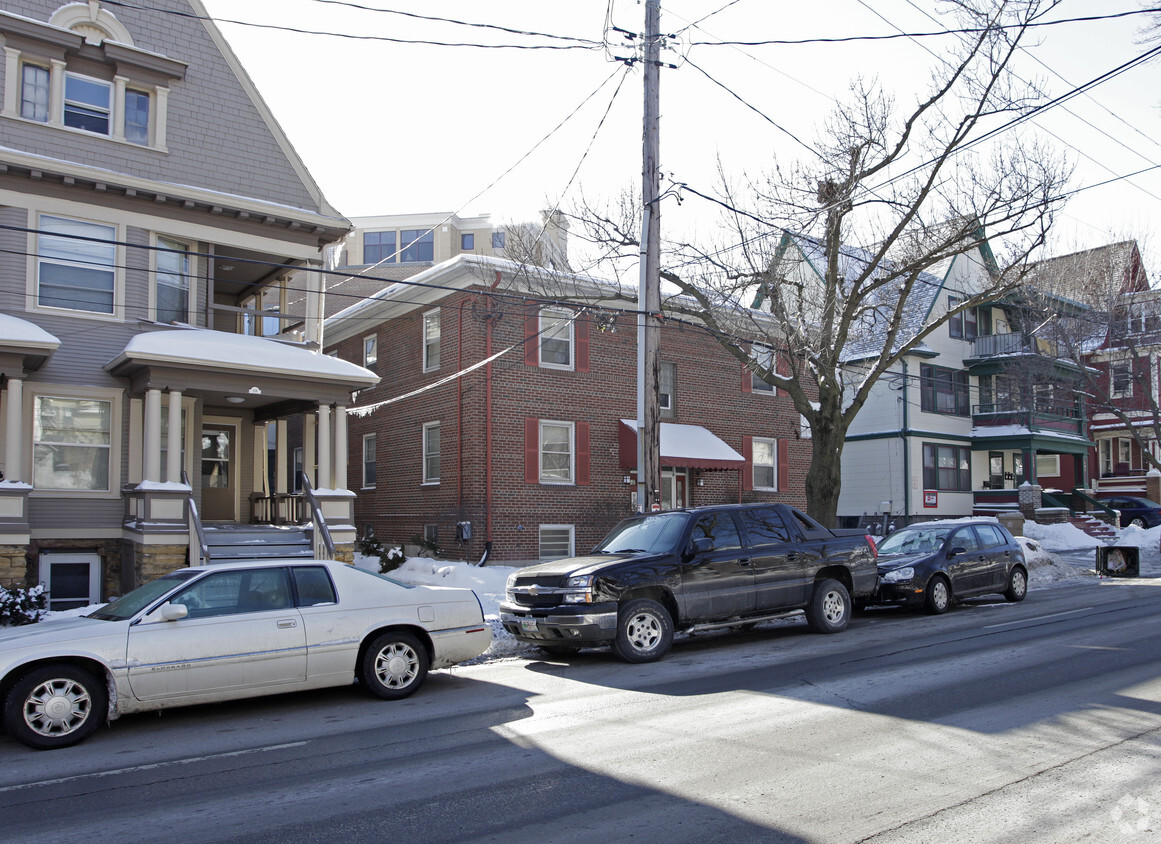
column 874, row 547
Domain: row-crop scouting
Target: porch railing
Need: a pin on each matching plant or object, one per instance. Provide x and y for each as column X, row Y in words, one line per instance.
column 322, row 534
column 196, row 527
column 281, row 508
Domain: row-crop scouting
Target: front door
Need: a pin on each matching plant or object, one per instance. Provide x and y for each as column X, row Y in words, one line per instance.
column 219, row 472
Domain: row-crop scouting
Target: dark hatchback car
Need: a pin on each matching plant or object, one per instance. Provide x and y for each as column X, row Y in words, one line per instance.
column 1139, row 512
column 935, row 563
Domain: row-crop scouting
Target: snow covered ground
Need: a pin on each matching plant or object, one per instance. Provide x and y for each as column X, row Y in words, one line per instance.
column 1057, row 555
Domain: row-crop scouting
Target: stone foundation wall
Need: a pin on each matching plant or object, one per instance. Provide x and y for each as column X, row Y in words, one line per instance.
column 14, row 566
column 152, row 561
column 345, row 553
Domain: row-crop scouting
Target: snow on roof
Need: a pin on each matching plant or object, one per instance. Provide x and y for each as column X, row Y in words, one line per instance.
column 993, row 431
column 16, row 332
column 241, row 351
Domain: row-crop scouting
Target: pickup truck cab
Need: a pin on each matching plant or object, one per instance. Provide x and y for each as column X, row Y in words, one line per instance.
column 695, row 569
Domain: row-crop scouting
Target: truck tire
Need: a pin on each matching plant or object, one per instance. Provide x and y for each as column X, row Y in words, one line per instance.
column 829, row 610
column 644, row 631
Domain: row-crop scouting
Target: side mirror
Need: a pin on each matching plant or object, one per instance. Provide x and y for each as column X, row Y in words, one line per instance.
column 956, row 551
column 700, row 545
column 174, row 612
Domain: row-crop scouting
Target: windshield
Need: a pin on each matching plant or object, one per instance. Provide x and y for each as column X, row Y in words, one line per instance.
column 657, row 533
column 129, row 605
column 914, row 541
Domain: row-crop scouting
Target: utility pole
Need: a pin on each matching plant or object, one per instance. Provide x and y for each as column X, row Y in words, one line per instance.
column 649, row 290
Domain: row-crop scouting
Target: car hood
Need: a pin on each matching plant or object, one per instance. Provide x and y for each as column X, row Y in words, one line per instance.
column 895, row 562
column 574, row 565
column 59, row 630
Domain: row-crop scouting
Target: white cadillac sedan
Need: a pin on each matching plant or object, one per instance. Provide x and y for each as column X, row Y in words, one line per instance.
column 215, row 633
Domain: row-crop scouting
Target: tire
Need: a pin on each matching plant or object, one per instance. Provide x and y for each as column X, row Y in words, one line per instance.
column 55, row 706
column 1017, row 585
column 644, row 631
column 1138, row 522
column 394, row 666
column 937, row 598
column 829, row 610
column 559, row 650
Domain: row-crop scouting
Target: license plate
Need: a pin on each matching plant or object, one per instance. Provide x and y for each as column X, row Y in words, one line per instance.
column 528, row 625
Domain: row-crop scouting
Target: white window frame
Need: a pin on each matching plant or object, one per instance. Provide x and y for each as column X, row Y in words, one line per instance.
column 370, row 351
column 109, row 111
column 369, row 451
column 431, row 320
column 164, row 244
column 762, row 356
column 1125, row 390
column 1049, row 461
column 44, row 107
column 36, row 260
column 427, row 454
column 551, row 324
column 569, row 552
column 93, row 561
column 114, row 398
column 571, row 441
column 772, row 465
column 667, row 399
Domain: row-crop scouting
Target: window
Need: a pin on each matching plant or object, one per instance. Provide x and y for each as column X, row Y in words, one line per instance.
column 556, row 542
column 990, row 536
column 73, row 580
column 431, row 453
column 76, row 265
column 71, row 443
column 368, row 461
column 88, row 103
column 556, row 336
column 963, row 324
column 370, row 351
column 763, row 357
column 764, row 526
column 296, row 469
column 498, row 240
column 947, row 467
column 430, row 341
column 137, row 117
column 1047, row 465
column 1121, row 379
column 666, row 385
column 172, row 290
column 765, row 459
column 379, row 247
column 417, row 245
column 720, row 529
column 556, row 452
column 313, row 585
column 431, row 535
column 237, row 591
column 34, row 93
column 467, row 242
column 944, row 390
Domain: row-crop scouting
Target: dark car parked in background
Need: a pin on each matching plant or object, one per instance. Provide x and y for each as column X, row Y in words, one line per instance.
column 1140, row 512
column 935, row 563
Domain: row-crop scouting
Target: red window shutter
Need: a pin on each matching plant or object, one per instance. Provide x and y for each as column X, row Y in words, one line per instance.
column 582, row 453
column 748, row 466
column 783, row 465
column 531, row 451
column 532, row 337
column 581, row 335
column 747, row 380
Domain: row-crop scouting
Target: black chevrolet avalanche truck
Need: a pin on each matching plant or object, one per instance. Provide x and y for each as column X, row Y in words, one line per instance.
column 695, row 569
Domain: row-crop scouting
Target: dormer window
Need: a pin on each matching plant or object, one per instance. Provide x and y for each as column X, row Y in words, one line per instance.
column 87, row 103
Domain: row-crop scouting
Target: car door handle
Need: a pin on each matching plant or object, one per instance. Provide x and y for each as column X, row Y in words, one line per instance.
column 744, row 562
column 285, row 623
column 791, row 556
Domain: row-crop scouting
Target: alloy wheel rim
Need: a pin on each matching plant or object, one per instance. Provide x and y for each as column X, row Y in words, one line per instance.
column 643, row 631
column 833, row 606
column 396, row 665
column 57, row 707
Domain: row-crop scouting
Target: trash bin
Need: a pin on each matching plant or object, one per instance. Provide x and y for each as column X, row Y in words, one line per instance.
column 1118, row 560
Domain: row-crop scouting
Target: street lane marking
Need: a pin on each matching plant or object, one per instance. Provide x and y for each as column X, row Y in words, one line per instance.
column 150, row 767
column 1037, row 618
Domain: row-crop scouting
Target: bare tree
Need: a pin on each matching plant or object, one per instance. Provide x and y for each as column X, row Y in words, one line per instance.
column 885, row 198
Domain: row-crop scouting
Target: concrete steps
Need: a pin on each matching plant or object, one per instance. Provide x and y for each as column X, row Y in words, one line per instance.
column 246, row 543
column 1094, row 527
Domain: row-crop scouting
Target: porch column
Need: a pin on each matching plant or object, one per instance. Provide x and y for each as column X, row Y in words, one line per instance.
column 14, row 431
column 341, row 448
column 280, row 456
column 313, row 322
column 173, row 440
column 325, row 447
column 152, row 446
column 261, row 476
column 309, row 427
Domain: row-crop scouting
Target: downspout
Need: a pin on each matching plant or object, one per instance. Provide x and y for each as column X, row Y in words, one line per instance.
column 460, row 414
column 906, row 454
column 488, row 429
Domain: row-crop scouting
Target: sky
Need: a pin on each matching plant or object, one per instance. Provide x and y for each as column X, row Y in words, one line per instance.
column 389, row 128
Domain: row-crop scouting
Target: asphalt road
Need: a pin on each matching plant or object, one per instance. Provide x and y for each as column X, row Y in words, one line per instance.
column 1032, row 722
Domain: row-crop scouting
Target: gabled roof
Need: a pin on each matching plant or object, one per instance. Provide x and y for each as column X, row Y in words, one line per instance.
column 1092, row 277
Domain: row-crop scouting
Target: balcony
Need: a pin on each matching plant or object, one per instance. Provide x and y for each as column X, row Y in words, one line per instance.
column 1042, row 415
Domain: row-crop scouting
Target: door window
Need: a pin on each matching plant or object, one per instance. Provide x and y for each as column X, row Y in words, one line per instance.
column 216, row 458
column 720, row 528
column 764, row 526
column 230, row 592
column 964, row 538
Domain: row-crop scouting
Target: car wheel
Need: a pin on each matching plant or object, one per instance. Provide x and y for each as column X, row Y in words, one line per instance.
column 55, row 706
column 644, row 631
column 938, row 596
column 394, row 666
column 559, row 650
column 1017, row 585
column 829, row 610
column 1138, row 522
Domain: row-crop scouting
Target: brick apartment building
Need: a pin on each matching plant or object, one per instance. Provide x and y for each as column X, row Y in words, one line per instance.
column 529, row 454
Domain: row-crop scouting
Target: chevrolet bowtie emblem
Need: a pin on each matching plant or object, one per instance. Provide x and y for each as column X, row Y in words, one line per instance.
column 533, row 590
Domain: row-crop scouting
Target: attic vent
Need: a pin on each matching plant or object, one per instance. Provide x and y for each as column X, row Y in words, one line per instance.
column 89, row 20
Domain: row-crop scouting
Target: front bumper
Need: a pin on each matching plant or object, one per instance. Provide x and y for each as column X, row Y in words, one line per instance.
column 910, row 592
column 580, row 625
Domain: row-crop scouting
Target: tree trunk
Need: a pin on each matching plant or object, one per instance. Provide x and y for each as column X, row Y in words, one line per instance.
column 824, row 477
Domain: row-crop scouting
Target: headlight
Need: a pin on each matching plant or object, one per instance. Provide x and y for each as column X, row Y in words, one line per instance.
column 899, row 575
column 578, row 590
column 511, row 584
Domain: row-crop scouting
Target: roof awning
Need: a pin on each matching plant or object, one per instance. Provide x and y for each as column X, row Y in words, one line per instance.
column 683, row 446
column 24, row 346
